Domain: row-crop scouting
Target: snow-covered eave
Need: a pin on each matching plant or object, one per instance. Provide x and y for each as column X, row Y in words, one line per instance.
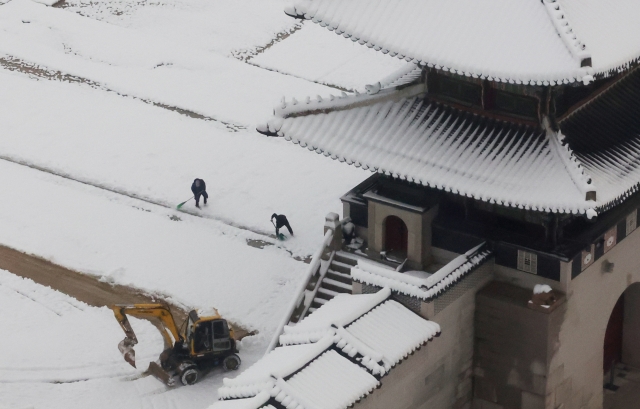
column 578, row 207
column 619, row 67
column 610, row 204
column 319, row 105
column 580, row 74
column 350, row 347
column 430, row 288
column 343, row 102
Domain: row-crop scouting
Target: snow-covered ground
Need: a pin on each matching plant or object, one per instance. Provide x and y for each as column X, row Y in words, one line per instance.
column 90, row 173
column 125, row 144
column 62, row 353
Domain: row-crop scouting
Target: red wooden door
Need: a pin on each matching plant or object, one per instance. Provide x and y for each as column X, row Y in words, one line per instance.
column 613, row 336
column 397, row 235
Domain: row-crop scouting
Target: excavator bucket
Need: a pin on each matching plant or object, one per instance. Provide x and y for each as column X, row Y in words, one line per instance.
column 155, row 370
column 126, row 349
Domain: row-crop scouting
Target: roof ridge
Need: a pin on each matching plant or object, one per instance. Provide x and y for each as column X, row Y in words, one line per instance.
column 576, row 47
column 334, row 103
column 575, row 169
column 392, row 80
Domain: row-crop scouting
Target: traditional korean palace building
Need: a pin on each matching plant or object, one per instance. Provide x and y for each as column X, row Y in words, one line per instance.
column 503, row 208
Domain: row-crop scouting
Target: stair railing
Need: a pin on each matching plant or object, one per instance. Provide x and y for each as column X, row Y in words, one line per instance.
column 310, row 284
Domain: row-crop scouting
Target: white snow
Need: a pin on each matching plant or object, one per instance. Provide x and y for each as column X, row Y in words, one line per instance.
column 426, row 286
column 329, row 382
column 392, row 330
column 318, row 55
column 61, row 339
column 62, row 353
column 501, row 40
column 610, row 30
column 174, row 53
column 341, row 310
column 404, row 135
column 383, row 333
column 138, row 149
column 47, row 2
column 279, row 363
column 542, row 289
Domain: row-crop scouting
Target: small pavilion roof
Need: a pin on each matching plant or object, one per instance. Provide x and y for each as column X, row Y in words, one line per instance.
column 332, row 358
column 531, row 41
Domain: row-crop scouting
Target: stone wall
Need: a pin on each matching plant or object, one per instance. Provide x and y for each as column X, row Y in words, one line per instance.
column 631, row 333
column 511, row 348
column 439, row 376
column 576, row 366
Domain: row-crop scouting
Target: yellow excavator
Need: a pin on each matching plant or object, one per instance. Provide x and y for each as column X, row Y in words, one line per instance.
column 201, row 343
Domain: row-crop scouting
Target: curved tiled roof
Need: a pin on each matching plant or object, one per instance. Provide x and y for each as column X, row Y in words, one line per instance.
column 413, row 138
column 530, row 42
column 364, row 337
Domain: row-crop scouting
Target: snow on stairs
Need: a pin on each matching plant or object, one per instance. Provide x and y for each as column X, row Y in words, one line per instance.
column 337, row 280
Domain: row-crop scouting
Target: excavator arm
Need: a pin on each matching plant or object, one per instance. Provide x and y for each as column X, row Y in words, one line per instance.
column 157, row 314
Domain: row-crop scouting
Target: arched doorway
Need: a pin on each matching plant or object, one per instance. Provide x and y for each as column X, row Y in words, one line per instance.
column 614, row 336
column 396, row 237
column 621, row 354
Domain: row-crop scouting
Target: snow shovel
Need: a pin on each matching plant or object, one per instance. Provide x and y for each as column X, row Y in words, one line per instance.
column 182, row 204
column 279, row 236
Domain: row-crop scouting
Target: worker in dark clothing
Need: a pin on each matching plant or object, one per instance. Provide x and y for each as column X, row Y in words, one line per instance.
column 199, row 188
column 281, row 221
column 348, row 232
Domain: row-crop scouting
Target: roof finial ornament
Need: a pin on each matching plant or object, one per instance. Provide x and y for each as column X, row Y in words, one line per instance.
column 373, row 88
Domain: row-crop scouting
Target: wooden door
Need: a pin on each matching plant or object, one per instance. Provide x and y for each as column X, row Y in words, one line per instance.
column 396, row 236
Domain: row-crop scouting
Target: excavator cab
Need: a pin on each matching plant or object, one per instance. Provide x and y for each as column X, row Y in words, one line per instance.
column 208, row 336
column 202, row 343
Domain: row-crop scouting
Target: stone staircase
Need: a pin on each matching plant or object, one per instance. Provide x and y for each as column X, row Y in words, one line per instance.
column 337, row 280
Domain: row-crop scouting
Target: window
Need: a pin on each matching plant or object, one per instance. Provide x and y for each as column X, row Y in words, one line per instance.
column 456, row 89
column 632, row 221
column 527, row 262
column 202, row 338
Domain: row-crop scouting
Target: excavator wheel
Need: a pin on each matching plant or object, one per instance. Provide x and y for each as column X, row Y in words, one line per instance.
column 188, row 374
column 231, row 362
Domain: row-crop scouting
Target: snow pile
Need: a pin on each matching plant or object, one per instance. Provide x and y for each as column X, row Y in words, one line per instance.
column 374, row 332
column 423, row 288
column 542, row 289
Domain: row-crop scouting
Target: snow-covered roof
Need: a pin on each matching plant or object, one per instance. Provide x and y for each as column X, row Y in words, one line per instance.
column 405, row 75
column 406, row 135
column 604, row 134
column 425, row 288
column 530, row 42
column 333, row 357
column 329, row 382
